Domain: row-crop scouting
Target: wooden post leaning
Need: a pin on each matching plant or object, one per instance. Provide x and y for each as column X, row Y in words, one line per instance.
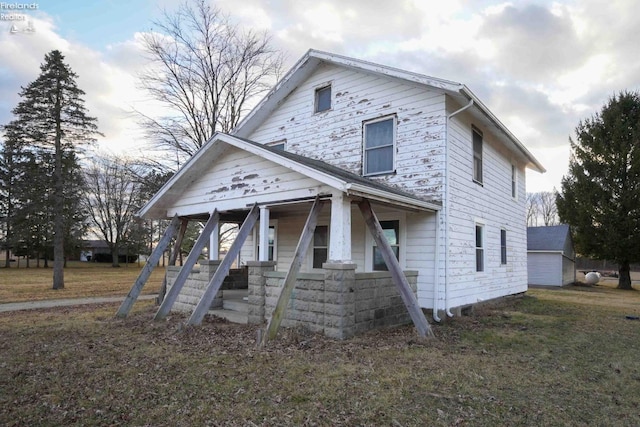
column 134, row 293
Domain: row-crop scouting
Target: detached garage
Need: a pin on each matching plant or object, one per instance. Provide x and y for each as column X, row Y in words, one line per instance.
column 550, row 256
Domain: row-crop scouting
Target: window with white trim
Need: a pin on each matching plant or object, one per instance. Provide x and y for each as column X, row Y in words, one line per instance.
column 479, row 247
column 379, row 146
column 320, row 245
column 503, row 246
column 391, row 231
column 477, row 155
column 272, row 243
column 323, row 99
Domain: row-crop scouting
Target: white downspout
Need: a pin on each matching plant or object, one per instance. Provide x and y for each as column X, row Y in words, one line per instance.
column 446, row 205
column 436, row 274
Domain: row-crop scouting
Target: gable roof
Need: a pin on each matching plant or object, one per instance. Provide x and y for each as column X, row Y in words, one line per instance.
column 314, row 58
column 551, row 238
column 347, row 182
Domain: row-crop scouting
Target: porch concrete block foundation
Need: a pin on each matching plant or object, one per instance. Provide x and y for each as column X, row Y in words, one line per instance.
column 338, row 302
column 194, row 286
column 257, row 289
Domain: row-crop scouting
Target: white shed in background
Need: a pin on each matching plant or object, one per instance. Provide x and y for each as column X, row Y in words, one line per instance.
column 550, row 256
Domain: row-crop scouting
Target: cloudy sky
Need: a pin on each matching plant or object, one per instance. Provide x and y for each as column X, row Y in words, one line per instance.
column 540, row 66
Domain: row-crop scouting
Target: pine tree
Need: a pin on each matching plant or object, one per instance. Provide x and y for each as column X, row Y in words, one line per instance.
column 51, row 122
column 599, row 197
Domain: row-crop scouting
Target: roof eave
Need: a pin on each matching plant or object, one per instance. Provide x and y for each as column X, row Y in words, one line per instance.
column 533, row 163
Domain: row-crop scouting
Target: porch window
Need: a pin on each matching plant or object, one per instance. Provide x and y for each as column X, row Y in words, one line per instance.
column 272, row 244
column 379, row 146
column 391, row 230
column 503, row 246
column 477, row 156
column 323, row 99
column 479, row 247
column 320, row 245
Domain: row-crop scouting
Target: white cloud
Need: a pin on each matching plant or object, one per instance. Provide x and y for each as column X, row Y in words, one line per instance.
column 540, row 66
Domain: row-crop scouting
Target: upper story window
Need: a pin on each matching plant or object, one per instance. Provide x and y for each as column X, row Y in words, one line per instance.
column 477, row 155
column 379, row 146
column 514, row 181
column 323, row 99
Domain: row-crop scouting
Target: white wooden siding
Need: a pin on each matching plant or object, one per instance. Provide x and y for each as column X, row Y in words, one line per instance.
column 568, row 271
column 239, row 178
column 335, row 136
column 490, row 204
column 545, row 268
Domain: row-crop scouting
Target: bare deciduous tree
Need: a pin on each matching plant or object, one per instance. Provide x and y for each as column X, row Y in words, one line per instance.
column 541, row 209
column 206, row 71
column 112, row 198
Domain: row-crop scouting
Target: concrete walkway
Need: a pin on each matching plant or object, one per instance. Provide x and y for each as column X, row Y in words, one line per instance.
column 32, row 305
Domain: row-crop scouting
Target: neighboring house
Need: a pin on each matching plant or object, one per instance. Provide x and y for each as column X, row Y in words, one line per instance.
column 550, row 256
column 445, row 177
column 91, row 248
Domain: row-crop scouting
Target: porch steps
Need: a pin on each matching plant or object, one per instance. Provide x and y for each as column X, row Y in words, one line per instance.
column 234, row 307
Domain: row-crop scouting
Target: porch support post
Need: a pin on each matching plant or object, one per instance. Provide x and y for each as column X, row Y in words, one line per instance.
column 263, row 238
column 223, row 269
column 397, row 274
column 214, row 244
column 134, row 293
column 340, row 240
column 193, row 256
column 292, row 274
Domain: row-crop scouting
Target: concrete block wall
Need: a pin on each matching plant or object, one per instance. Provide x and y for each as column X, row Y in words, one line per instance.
column 378, row 302
column 338, row 302
column 194, row 286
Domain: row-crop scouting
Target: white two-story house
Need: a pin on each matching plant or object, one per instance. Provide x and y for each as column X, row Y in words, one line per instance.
column 444, row 176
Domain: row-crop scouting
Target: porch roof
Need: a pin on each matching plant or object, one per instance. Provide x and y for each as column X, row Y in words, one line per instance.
column 326, row 174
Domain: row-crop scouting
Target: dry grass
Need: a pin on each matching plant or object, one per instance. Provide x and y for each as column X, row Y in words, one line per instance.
column 538, row 360
column 82, row 279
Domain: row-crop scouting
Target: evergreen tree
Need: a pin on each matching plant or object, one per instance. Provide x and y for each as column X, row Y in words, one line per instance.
column 51, row 121
column 599, row 196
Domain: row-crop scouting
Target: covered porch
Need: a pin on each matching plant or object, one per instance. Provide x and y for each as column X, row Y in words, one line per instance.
column 356, row 263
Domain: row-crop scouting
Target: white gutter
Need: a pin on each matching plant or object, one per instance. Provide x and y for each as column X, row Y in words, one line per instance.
column 355, row 189
column 446, row 206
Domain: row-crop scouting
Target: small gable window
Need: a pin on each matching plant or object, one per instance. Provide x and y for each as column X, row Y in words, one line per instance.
column 379, row 143
column 278, row 145
column 477, row 156
column 323, row 99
